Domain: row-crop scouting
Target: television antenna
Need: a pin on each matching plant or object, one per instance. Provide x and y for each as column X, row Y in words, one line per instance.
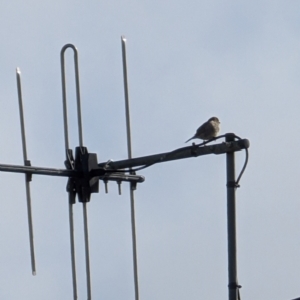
column 84, row 173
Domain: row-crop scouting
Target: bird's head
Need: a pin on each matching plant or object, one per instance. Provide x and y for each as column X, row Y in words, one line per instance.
column 214, row 119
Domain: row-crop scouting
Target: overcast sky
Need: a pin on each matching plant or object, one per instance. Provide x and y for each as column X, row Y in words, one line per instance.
column 187, row 61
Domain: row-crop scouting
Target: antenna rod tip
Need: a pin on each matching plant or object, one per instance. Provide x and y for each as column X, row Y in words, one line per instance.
column 123, row 38
column 18, row 70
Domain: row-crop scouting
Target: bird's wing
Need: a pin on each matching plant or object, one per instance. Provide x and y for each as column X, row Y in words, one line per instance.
column 201, row 129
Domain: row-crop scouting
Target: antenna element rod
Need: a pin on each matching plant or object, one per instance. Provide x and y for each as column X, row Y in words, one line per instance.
column 27, row 177
column 134, row 246
column 87, row 256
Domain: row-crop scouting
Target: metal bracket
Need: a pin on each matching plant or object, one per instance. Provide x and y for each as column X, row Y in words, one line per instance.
column 86, row 184
column 86, row 164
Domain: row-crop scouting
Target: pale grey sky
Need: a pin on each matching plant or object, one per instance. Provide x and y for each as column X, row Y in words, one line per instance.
column 187, row 61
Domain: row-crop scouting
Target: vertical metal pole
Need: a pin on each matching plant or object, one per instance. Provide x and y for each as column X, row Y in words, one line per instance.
column 27, row 178
column 231, row 223
column 134, row 247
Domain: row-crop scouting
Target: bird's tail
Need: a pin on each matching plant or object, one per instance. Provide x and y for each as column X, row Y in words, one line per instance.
column 190, row 139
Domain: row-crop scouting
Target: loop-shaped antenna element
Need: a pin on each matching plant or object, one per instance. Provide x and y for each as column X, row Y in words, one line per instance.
column 71, row 164
column 27, row 176
column 64, row 93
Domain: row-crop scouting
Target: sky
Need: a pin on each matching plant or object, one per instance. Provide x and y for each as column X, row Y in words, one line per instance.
column 187, row 62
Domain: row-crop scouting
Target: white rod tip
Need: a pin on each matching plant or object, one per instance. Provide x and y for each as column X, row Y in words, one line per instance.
column 18, row 70
column 123, row 38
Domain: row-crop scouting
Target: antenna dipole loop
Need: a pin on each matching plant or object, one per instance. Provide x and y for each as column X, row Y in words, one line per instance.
column 64, row 93
column 71, row 163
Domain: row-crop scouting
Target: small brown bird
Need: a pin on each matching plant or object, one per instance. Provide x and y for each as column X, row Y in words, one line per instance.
column 208, row 130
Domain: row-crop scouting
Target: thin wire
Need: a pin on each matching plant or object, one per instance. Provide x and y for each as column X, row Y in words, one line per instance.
column 133, row 228
column 244, row 166
column 27, row 185
column 246, row 155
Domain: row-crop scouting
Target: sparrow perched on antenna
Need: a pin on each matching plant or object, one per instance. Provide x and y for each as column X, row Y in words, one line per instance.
column 208, row 130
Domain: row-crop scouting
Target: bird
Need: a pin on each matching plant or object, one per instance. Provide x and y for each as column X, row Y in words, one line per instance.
column 207, row 130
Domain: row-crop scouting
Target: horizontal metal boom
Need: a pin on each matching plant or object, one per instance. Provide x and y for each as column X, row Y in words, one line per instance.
column 70, row 173
column 39, row 170
column 186, row 152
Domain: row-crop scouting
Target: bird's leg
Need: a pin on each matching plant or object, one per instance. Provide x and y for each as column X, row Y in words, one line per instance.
column 193, row 149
